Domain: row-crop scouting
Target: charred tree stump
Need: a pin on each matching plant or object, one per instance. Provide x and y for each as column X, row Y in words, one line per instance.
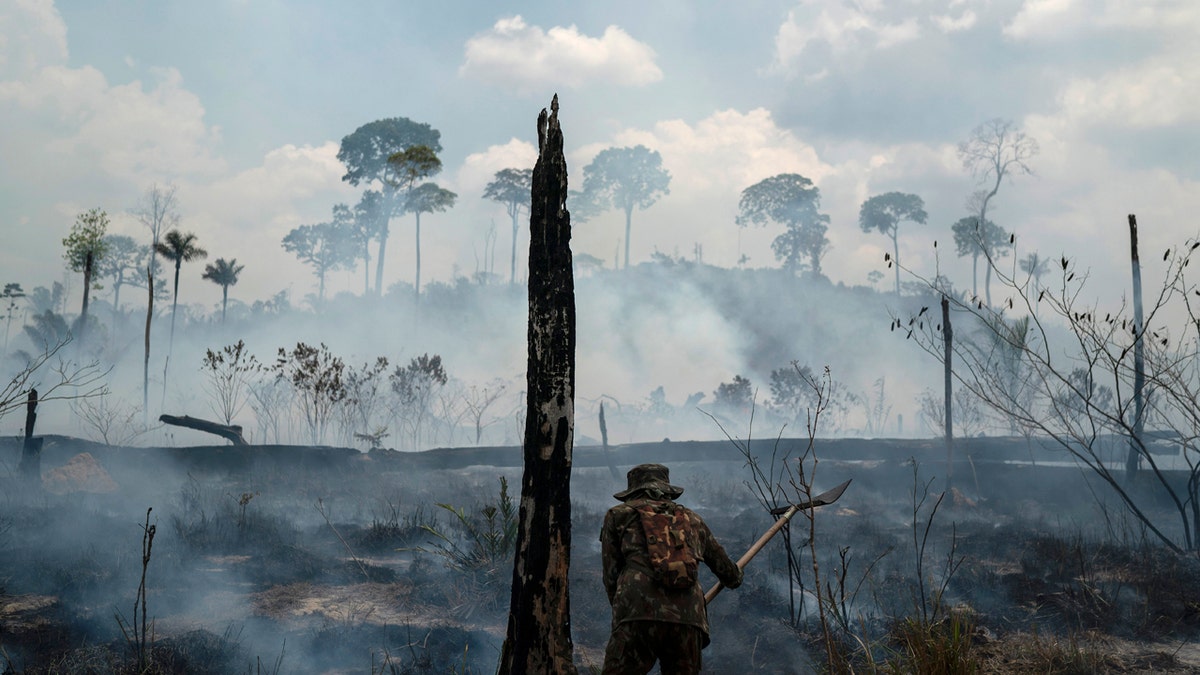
column 612, row 468
column 948, row 354
column 146, row 362
column 232, row 433
column 538, row 638
column 31, row 451
column 1133, row 459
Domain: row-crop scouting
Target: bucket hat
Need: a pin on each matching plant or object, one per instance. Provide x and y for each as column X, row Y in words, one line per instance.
column 649, row 476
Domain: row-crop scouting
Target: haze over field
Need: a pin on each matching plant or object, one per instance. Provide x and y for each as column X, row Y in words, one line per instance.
column 243, row 107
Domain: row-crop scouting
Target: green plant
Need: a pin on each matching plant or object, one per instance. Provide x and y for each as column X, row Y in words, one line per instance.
column 942, row 646
column 489, row 538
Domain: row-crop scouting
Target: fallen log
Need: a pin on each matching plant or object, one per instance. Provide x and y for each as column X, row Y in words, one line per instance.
column 232, row 433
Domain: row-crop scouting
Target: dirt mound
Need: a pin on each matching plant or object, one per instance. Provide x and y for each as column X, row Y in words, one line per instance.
column 82, row 474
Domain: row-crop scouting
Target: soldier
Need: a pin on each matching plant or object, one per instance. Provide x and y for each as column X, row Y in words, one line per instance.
column 651, row 547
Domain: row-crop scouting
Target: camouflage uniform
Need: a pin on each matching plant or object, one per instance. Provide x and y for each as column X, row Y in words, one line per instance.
column 650, row 621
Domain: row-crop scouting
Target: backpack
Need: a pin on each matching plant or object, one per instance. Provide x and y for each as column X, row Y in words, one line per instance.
column 667, row 527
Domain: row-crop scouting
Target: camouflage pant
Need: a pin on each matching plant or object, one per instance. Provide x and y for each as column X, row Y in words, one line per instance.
column 636, row 645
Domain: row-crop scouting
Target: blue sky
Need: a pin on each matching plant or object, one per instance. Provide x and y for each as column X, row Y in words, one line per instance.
column 242, row 105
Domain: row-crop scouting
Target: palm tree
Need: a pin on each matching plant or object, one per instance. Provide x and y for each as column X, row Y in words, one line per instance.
column 1036, row 267
column 178, row 248
column 225, row 274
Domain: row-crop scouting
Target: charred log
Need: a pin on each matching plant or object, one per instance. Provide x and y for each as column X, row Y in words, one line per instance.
column 232, row 433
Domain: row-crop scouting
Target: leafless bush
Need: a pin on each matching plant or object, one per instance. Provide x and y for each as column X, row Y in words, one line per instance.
column 112, row 422
column 1068, row 369
column 227, row 372
column 968, row 413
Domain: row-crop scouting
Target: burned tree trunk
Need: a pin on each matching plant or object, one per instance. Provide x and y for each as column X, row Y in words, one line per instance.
column 31, row 452
column 87, row 286
column 232, row 433
column 948, row 354
column 539, row 616
column 146, row 362
column 1133, row 459
column 612, row 468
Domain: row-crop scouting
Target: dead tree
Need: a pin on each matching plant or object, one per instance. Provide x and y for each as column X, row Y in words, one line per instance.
column 538, row 639
column 612, row 468
column 230, row 432
column 31, row 452
column 948, row 374
column 1133, row 458
column 146, row 362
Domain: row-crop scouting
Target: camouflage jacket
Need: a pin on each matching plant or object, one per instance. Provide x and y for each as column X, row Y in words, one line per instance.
column 634, row 594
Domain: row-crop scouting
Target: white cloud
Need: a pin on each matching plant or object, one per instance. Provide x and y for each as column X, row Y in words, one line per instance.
column 1157, row 93
column 710, row 161
column 246, row 215
column 32, row 35
column 515, row 54
column 479, row 168
column 1044, row 18
column 843, row 26
column 952, row 24
column 1160, row 89
column 1054, row 19
column 131, row 131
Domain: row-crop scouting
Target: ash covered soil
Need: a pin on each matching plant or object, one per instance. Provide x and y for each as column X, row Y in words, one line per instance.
column 285, row 559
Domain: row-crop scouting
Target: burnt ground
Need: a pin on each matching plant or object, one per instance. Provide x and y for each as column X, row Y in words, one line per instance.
column 317, row 560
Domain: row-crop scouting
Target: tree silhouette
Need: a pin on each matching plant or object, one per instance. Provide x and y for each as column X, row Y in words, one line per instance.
column 12, row 291
column 1036, row 267
column 324, row 246
column 990, row 241
column 622, row 178
column 411, row 166
column 885, row 212
column 366, row 154
column 158, row 210
column 511, row 188
column 995, row 150
column 178, row 248
column 370, row 217
column 85, row 248
column 121, row 263
column 791, row 200
column 224, row 273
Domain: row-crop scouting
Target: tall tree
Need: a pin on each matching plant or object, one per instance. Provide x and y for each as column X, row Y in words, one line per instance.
column 989, row 241
column 412, row 166
column 996, row 149
column 324, row 247
column 426, row 198
column 1036, row 267
column 623, row 178
column 178, row 248
column 158, row 211
column 85, row 248
column 224, row 273
column 885, row 212
column 122, row 263
column 366, row 153
column 538, row 637
column 511, row 188
column 791, row 200
column 12, row 291
column 370, row 216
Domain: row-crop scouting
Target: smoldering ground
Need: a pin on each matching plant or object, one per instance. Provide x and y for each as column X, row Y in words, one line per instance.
column 291, row 559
